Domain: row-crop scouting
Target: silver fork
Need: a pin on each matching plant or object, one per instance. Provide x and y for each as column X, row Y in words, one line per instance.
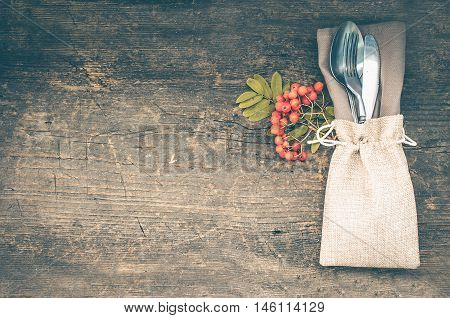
column 351, row 75
column 352, row 101
column 351, row 97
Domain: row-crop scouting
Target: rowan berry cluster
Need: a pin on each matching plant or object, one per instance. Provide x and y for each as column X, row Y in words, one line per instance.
column 288, row 111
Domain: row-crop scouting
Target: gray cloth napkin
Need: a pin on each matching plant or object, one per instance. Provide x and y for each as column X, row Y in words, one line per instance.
column 391, row 40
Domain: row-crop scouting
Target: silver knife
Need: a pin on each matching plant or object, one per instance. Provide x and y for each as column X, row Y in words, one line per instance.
column 371, row 74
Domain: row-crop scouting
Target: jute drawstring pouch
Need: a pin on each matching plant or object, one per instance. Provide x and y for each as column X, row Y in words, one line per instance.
column 369, row 217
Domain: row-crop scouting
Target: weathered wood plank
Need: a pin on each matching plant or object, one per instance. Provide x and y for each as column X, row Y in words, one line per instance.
column 85, row 104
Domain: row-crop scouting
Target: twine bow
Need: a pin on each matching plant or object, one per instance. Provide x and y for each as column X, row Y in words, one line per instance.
column 329, row 142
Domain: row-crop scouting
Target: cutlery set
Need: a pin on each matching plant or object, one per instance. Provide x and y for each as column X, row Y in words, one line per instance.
column 355, row 64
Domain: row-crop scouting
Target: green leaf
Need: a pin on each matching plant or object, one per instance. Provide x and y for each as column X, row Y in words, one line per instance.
column 262, row 113
column 310, row 116
column 264, row 84
column 276, row 84
column 330, row 110
column 259, row 116
column 260, row 106
column 317, row 109
column 315, row 147
column 255, row 85
column 252, row 101
column 297, row 132
column 324, row 130
column 329, row 117
column 287, row 86
column 245, row 96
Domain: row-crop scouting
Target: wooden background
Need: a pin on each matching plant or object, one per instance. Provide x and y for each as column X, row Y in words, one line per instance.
column 91, row 91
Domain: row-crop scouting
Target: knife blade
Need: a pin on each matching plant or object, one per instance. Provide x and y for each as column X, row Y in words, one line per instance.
column 371, row 74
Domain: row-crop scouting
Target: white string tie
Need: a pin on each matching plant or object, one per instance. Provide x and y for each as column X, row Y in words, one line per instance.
column 323, row 139
column 406, row 140
column 329, row 142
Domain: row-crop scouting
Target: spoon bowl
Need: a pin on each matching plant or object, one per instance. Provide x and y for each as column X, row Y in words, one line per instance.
column 337, row 58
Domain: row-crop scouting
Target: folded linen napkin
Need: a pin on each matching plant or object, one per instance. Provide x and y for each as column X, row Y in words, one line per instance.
column 370, row 217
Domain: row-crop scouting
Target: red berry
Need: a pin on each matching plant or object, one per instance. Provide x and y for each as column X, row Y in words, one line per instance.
column 312, row 95
column 293, row 95
column 274, row 121
column 276, row 114
column 318, row 86
column 278, row 140
column 295, row 86
column 296, row 146
column 280, row 98
column 293, row 117
column 282, row 153
column 305, row 101
column 302, row 90
column 283, row 122
column 279, row 148
column 309, row 89
column 285, row 144
column 278, row 106
column 286, row 107
column 296, row 107
column 303, row 156
column 284, row 136
column 289, row 155
column 286, row 94
column 275, row 129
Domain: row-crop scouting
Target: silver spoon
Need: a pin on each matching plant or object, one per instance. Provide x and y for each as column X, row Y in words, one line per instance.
column 337, row 59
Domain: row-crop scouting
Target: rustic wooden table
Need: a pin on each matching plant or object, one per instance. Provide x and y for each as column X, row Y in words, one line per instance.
column 125, row 172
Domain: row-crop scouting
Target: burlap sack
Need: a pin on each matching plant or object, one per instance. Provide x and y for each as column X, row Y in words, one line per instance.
column 369, row 217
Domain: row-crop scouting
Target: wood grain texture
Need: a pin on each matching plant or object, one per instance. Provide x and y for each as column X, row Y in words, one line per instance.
column 90, row 92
